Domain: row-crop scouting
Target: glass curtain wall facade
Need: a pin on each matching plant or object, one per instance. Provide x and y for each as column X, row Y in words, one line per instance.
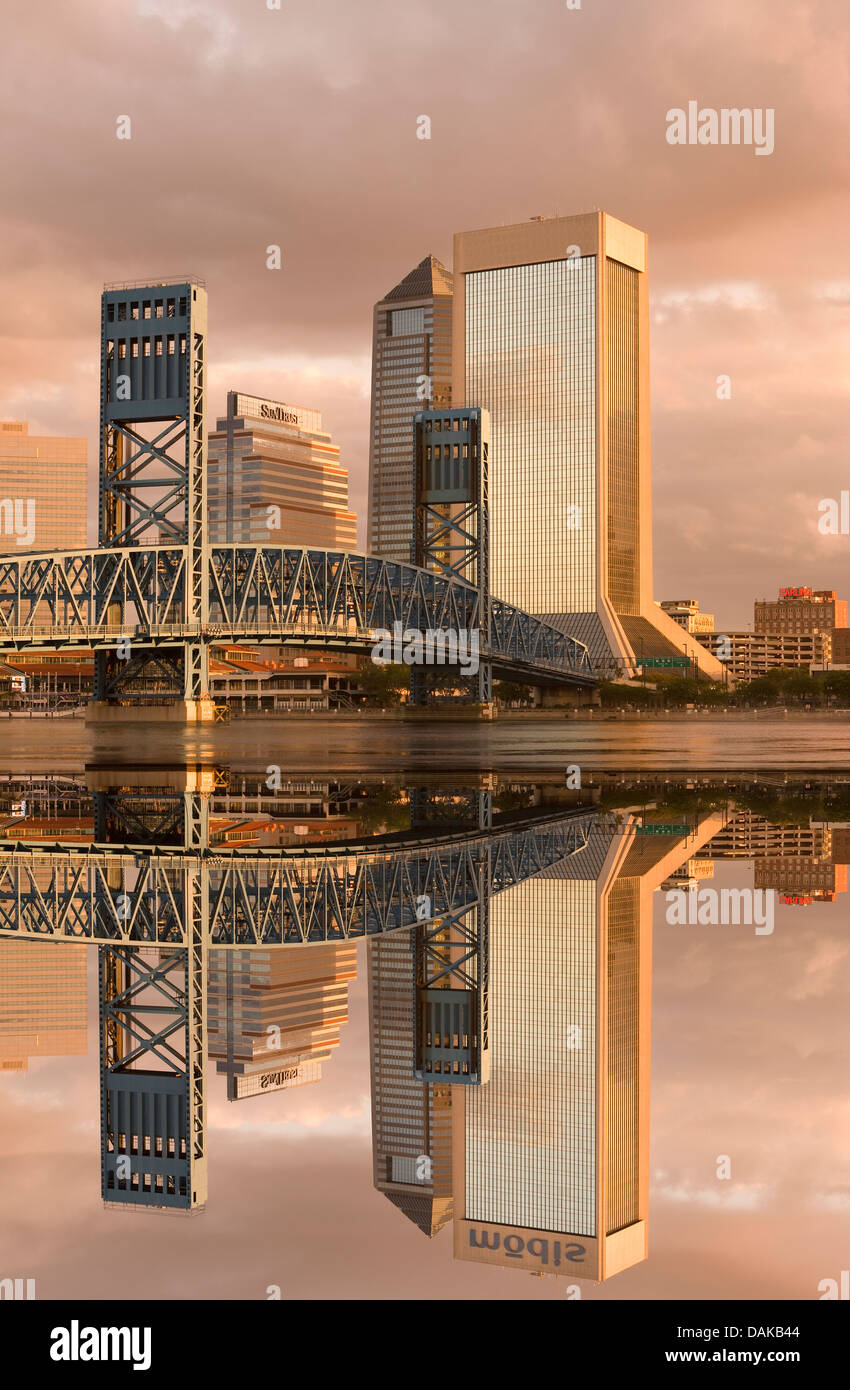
column 531, row 1131
column 43, row 497
column 551, row 1156
column 531, row 358
column 551, row 337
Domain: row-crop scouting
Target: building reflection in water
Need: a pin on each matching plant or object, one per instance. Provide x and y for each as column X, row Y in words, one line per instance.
column 509, row 965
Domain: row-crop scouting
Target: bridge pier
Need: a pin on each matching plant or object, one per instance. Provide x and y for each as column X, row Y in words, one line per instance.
column 175, row 712
column 569, row 697
column 112, row 686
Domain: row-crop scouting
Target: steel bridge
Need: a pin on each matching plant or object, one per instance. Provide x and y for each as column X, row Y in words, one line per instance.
column 154, row 595
column 108, row 894
column 315, row 598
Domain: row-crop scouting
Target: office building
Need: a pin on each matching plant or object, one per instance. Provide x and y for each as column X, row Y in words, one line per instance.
column 800, row 611
column 685, row 612
column 411, row 370
column 551, row 1157
column 43, row 1003
column 274, row 1017
column 411, row 1120
column 43, row 498
column 550, row 335
column 275, row 478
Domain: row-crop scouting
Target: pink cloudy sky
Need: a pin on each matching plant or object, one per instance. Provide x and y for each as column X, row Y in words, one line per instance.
column 297, row 127
column 755, row 1073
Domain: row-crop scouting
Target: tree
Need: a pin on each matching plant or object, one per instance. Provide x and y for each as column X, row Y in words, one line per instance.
column 383, row 684
column 512, row 693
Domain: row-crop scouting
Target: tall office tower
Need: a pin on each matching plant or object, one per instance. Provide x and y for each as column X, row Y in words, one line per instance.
column 411, row 370
column 551, row 1156
column 43, row 1004
column 42, row 490
column 273, row 1017
column 274, row 478
column 550, row 335
column 411, row 1120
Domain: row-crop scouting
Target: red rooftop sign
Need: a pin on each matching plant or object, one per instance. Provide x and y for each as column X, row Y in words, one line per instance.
column 795, row 593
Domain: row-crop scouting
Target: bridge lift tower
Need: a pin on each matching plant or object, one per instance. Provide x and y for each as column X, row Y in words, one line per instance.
column 451, row 526
column 152, row 482
column 153, row 1009
column 451, row 957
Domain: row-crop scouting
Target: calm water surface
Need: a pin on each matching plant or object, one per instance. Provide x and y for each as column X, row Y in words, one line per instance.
column 348, row 746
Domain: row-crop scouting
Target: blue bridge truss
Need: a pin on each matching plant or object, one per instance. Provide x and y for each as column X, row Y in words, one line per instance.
column 259, row 594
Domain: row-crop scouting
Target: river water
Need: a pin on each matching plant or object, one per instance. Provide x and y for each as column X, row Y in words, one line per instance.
column 731, row 1059
column 349, row 745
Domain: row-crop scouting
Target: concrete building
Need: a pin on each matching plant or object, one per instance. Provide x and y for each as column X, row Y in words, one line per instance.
column 551, row 335
column 411, row 370
column 275, row 478
column 747, row 655
column 43, row 499
column 801, row 863
column 799, row 611
column 685, row 612
column 841, row 646
column 246, row 681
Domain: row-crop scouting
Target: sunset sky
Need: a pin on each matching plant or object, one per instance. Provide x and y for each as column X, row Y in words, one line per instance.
column 297, row 127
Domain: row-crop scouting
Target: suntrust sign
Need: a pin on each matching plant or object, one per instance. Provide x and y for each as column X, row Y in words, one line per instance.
column 255, row 407
column 279, row 412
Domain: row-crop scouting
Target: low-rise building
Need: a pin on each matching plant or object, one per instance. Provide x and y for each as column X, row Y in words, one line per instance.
column 747, row 655
column 800, row 610
column 246, row 681
column 685, row 612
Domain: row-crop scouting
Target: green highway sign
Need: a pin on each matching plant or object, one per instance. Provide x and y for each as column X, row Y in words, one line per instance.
column 663, row 662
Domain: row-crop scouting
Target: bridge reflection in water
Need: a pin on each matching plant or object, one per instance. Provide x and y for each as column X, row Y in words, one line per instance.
column 509, row 985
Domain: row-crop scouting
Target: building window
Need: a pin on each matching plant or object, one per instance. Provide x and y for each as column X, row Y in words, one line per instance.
column 402, row 321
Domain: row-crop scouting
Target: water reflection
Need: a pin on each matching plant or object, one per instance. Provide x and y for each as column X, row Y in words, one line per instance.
column 509, row 962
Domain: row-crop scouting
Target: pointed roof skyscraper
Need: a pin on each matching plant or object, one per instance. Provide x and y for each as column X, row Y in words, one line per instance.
column 429, row 277
column 411, row 370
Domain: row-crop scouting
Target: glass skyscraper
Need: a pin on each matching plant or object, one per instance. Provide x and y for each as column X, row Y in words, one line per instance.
column 551, row 337
column 551, row 1157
